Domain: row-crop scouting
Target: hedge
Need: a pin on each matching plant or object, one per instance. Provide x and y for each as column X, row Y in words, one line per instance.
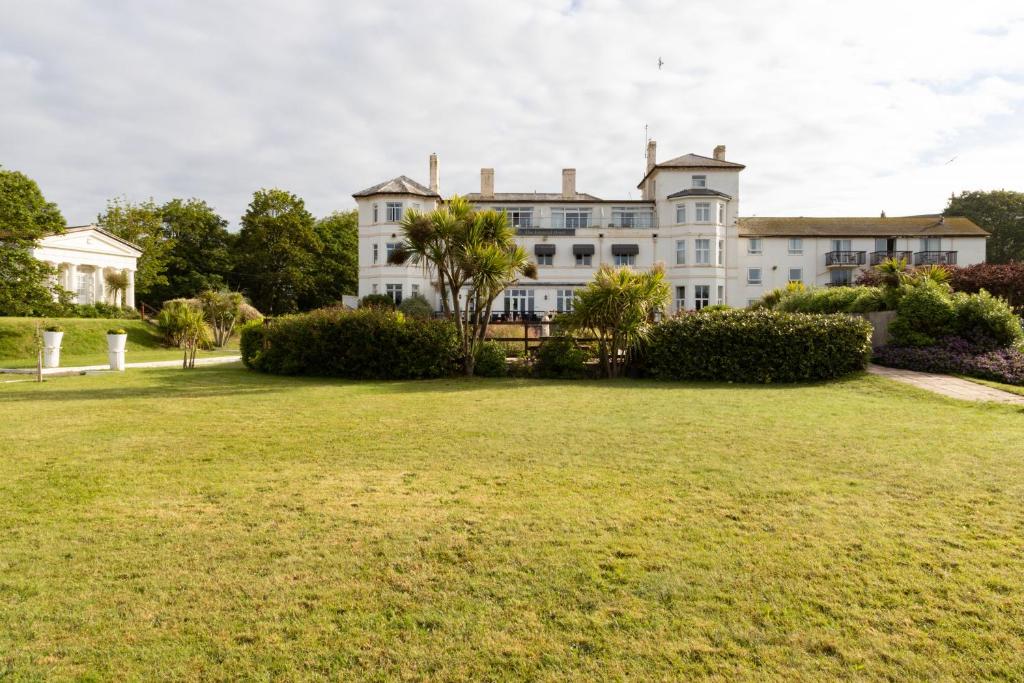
column 758, row 346
column 831, row 300
column 368, row 343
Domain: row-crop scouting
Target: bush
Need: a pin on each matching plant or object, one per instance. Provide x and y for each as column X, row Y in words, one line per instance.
column 173, row 319
column 117, row 330
column 382, row 301
column 490, row 360
column 986, row 321
column 53, row 328
column 416, row 306
column 758, row 346
column 957, row 356
column 924, row 314
column 1005, row 280
column 830, row 300
column 102, row 310
column 560, row 358
column 715, row 307
column 364, row 344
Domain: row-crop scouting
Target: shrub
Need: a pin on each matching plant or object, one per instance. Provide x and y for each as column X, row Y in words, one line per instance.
column 363, row 344
column 715, row 307
column 222, row 310
column 986, row 321
column 831, row 300
column 957, row 356
column 173, row 319
column 382, row 301
column 1005, row 280
column 416, row 306
column 102, row 310
column 758, row 346
column 247, row 313
column 560, row 358
column 925, row 313
column 490, row 360
column 116, row 330
column 53, row 328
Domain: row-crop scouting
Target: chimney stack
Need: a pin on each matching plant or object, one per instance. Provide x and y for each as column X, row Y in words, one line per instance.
column 720, row 152
column 435, row 175
column 487, row 182
column 652, row 153
column 568, row 183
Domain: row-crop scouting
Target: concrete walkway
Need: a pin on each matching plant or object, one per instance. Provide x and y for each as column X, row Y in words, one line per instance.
column 81, row 370
column 954, row 387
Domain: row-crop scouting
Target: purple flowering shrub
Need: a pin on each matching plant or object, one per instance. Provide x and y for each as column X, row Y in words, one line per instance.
column 953, row 355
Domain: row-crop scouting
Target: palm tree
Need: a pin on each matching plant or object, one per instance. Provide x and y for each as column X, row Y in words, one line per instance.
column 475, row 257
column 619, row 306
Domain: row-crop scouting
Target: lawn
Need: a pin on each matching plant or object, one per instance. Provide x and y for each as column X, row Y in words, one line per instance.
column 221, row 524
column 85, row 342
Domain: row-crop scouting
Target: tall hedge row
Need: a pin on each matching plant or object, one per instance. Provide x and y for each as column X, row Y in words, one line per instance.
column 364, row 344
column 758, row 346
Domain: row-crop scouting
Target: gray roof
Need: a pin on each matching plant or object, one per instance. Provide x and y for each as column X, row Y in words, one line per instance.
column 400, row 185
column 531, row 197
column 699, row 192
column 896, row 226
column 695, row 161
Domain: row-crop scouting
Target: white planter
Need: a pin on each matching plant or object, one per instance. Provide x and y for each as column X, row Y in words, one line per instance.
column 51, row 349
column 115, row 350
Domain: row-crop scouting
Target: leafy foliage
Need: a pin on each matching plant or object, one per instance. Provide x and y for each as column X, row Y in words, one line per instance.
column 1001, row 212
column 174, row 319
column 957, row 356
column 337, row 261
column 831, row 300
column 199, row 255
column 560, row 358
column 222, row 311
column 141, row 223
column 1004, row 280
column 416, row 306
column 382, row 301
column 925, row 313
column 758, row 346
column 100, row 310
column 490, row 360
column 986, row 321
column 364, row 344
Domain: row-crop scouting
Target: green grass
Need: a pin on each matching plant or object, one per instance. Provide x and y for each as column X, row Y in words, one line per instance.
column 85, row 342
column 220, row 524
column 1012, row 388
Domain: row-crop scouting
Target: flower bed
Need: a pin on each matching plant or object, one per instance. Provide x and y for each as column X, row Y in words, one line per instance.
column 957, row 356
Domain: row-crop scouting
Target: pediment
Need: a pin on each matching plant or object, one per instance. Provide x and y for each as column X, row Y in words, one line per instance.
column 92, row 240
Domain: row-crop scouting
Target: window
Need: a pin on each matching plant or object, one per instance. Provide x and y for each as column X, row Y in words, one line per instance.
column 721, row 213
column 518, row 301
column 376, row 253
column 840, row 276
column 564, row 299
column 84, row 289
column 631, row 217
column 703, row 212
column 702, row 252
column 624, row 259
column 414, row 290
column 545, row 259
column 752, row 302
column 753, row 276
column 796, row 246
column 841, row 245
column 394, row 212
column 721, row 252
column 754, row 245
column 680, row 252
column 390, row 249
column 701, row 296
column 583, row 259
column 680, row 213
column 796, row 274
column 376, row 213
column 931, row 244
column 374, row 289
column 570, row 218
column 721, row 295
column 680, row 298
column 518, row 217
column 700, row 181
column 395, row 292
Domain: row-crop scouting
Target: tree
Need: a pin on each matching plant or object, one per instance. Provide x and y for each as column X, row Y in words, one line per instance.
column 1001, row 212
column 337, row 270
column 468, row 250
column 25, row 216
column 199, row 253
column 276, row 252
column 618, row 306
column 222, row 311
column 141, row 224
column 117, row 283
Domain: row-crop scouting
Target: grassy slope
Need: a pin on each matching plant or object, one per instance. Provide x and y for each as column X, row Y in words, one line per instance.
column 85, row 341
column 1012, row 388
column 222, row 524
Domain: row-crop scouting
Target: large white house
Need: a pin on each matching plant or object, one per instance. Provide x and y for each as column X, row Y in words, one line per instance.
column 688, row 219
column 84, row 256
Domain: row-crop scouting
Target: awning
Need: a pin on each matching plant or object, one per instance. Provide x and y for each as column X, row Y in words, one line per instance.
column 625, row 249
column 583, row 250
column 544, row 249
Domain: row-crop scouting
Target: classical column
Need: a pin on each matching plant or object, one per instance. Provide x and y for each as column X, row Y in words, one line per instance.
column 98, row 288
column 129, row 294
column 73, row 281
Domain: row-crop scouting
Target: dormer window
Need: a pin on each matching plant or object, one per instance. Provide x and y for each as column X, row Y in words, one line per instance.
column 700, row 181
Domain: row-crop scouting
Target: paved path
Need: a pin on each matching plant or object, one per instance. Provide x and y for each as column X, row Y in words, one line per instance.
column 954, row 387
column 56, row 372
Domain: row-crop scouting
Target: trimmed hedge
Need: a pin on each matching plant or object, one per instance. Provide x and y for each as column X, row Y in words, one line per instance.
column 368, row 343
column 759, row 346
column 831, row 300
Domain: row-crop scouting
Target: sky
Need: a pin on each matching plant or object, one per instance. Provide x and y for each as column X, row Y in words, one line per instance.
column 836, row 108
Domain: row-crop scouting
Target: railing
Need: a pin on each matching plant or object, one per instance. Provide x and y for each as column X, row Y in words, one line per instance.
column 936, row 258
column 878, row 257
column 845, row 258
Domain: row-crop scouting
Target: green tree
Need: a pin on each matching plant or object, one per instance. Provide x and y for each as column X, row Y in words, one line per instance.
column 25, row 216
column 276, row 253
column 141, row 224
column 337, row 270
column 1001, row 212
column 199, row 255
column 474, row 256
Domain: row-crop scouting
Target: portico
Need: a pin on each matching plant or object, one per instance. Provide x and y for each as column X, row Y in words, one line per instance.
column 86, row 258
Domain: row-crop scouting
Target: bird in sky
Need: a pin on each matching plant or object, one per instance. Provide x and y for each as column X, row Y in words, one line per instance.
column 951, row 160
column 660, row 63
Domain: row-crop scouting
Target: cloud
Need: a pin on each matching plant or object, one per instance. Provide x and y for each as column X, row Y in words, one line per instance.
column 836, row 108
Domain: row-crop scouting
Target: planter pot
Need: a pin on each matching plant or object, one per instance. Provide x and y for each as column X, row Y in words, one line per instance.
column 115, row 350
column 51, row 349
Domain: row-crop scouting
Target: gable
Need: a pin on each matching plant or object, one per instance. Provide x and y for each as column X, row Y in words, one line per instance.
column 90, row 240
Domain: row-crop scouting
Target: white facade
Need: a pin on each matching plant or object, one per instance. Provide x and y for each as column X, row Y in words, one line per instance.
column 688, row 220
column 83, row 256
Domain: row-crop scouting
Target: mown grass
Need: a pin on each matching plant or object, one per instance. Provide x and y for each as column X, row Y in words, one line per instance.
column 220, row 524
column 1012, row 388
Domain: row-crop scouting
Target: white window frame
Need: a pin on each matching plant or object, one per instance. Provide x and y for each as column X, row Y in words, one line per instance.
column 795, row 246
column 414, row 289
column 680, row 214
column 376, row 253
column 755, row 245
column 389, row 249
column 621, row 260
column 799, row 275
column 632, row 217
column 680, row 252
column 680, row 299
column 699, row 181
column 701, row 296
column 754, row 276
column 721, row 213
column 703, row 211
column 571, row 217
column 376, row 213
column 720, row 295
column 374, row 288
column 545, row 259
column 394, row 290
column 394, row 211
column 702, row 251
column 584, row 259
column 721, row 252
column 564, row 299
column 834, row 280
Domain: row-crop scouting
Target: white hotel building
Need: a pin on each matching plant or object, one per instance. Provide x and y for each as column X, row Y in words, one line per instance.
column 688, row 219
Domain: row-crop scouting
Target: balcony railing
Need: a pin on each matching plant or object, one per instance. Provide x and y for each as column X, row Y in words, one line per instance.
column 845, row 258
column 936, row 258
column 878, row 257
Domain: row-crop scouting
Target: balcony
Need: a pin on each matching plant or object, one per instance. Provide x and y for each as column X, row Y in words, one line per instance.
column 935, row 258
column 878, row 257
column 845, row 259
